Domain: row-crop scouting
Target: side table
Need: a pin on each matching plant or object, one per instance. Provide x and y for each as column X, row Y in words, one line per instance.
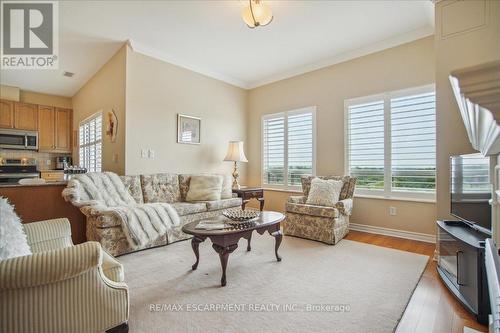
column 247, row 193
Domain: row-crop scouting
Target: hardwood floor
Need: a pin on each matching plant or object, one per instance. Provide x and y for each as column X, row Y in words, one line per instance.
column 432, row 308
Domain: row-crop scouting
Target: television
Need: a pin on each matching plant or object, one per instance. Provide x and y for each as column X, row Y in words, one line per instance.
column 471, row 190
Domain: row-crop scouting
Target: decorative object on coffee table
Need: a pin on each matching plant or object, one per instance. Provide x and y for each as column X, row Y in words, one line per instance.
column 247, row 193
column 188, row 129
column 235, row 154
column 225, row 241
column 239, row 215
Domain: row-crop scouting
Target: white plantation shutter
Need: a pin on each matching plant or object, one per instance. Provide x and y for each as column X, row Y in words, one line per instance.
column 413, row 143
column 366, row 144
column 274, row 150
column 300, row 147
column 288, row 148
column 90, row 143
column 391, row 143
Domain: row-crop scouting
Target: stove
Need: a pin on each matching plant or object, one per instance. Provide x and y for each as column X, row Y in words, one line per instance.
column 14, row 169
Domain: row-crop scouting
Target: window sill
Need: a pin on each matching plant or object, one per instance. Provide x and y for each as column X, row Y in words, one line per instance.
column 377, row 197
column 282, row 190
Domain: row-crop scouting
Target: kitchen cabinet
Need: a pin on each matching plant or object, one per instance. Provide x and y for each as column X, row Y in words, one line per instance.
column 46, row 128
column 6, row 114
column 26, row 116
column 54, row 129
column 45, row 202
column 63, row 130
column 52, row 175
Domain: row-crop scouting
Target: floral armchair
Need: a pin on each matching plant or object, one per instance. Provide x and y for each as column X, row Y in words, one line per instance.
column 325, row 224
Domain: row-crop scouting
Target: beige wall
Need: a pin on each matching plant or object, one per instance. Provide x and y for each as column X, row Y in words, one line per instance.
column 16, row 94
column 405, row 66
column 45, row 99
column 467, row 34
column 156, row 92
column 9, row 92
column 103, row 92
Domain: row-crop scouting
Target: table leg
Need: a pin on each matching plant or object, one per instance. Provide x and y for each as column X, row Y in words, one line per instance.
column 261, row 202
column 224, row 252
column 244, row 203
column 249, row 239
column 278, row 236
column 195, row 244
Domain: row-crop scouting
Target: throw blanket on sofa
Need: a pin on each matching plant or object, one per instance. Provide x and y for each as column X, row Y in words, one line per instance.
column 105, row 193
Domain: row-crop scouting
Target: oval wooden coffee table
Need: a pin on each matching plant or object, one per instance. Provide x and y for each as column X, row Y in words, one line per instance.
column 225, row 241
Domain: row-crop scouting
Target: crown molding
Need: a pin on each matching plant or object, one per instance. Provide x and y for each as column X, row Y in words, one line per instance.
column 349, row 55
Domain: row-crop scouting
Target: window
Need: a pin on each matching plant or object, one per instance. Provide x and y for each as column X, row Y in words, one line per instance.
column 90, row 143
column 288, row 148
column 470, row 177
column 391, row 143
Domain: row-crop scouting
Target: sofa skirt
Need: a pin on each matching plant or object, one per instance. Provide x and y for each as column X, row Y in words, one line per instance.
column 323, row 229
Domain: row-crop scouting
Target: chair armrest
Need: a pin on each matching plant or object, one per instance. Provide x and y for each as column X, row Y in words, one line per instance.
column 48, row 235
column 297, row 199
column 344, row 206
column 49, row 267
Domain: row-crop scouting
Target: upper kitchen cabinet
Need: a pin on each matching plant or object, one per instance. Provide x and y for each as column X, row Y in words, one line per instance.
column 6, row 114
column 63, row 129
column 46, row 128
column 26, row 116
column 54, row 129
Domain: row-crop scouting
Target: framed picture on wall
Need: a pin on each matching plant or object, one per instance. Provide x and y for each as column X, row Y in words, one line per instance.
column 188, row 129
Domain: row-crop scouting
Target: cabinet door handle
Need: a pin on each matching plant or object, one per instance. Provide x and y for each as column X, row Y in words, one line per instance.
column 458, row 268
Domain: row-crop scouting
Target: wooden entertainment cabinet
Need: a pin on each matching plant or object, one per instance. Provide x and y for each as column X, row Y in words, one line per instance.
column 461, row 266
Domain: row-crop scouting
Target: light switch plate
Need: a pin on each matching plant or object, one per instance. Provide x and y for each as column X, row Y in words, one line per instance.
column 392, row 211
column 144, row 153
column 151, row 153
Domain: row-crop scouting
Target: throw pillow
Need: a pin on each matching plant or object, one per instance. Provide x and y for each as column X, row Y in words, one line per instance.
column 227, row 189
column 204, row 188
column 13, row 242
column 324, row 192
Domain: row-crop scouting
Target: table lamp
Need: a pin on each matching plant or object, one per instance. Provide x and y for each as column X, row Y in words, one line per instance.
column 235, row 154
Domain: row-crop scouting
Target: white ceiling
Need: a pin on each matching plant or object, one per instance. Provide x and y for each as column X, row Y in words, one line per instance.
column 210, row 37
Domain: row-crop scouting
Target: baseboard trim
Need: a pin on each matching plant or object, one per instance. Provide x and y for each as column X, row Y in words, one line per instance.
column 393, row 232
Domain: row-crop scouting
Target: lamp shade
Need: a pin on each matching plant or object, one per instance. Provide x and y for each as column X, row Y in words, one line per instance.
column 257, row 14
column 235, row 152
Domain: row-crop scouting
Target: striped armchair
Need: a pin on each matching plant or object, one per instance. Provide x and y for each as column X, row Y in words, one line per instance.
column 325, row 224
column 61, row 287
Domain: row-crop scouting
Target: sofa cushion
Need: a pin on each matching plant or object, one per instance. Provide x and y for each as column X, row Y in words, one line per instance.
column 204, row 188
column 133, row 185
column 347, row 188
column 304, row 209
column 324, row 192
column 223, row 204
column 227, row 189
column 186, row 208
column 160, row 187
column 226, row 192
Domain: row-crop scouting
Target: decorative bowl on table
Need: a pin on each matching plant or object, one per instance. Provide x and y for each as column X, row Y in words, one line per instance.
column 238, row 215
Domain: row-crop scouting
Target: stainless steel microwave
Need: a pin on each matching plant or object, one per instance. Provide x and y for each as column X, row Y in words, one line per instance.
column 18, row 139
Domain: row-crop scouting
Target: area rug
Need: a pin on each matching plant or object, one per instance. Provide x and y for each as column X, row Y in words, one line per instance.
column 350, row 287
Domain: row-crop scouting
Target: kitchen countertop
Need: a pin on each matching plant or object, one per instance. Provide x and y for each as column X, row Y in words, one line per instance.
column 62, row 182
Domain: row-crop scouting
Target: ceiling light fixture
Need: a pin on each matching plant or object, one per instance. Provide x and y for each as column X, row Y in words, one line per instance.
column 257, row 14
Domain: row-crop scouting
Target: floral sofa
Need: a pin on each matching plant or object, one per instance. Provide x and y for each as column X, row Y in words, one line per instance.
column 325, row 224
column 163, row 187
